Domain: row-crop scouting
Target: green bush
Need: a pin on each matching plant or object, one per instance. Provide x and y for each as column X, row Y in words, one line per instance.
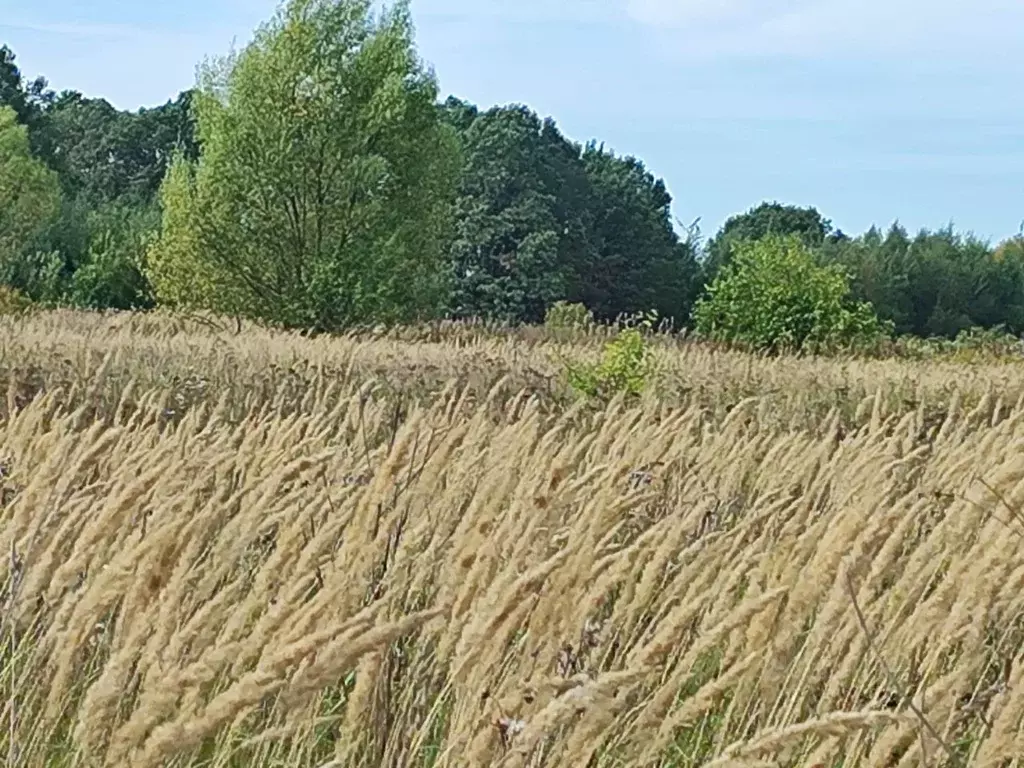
column 773, row 295
column 112, row 274
column 626, row 365
column 29, row 201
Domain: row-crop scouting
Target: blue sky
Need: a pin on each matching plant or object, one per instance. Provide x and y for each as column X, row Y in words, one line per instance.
column 871, row 110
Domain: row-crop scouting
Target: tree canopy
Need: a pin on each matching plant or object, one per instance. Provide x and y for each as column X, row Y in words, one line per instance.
column 323, row 191
column 768, row 218
column 541, row 219
column 316, row 179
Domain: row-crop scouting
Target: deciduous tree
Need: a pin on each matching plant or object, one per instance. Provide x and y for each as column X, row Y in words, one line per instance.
column 29, row 199
column 768, row 218
column 323, row 193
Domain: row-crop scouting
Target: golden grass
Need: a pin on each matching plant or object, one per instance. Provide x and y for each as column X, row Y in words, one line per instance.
column 384, row 551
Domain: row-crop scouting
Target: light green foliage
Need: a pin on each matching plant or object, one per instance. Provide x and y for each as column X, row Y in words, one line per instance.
column 29, row 199
column 179, row 275
column 323, row 194
column 626, row 365
column 564, row 315
column 773, row 295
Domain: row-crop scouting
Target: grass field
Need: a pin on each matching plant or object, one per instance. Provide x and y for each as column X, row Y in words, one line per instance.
column 229, row 548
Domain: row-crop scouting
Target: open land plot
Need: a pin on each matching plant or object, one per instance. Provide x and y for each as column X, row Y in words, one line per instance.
column 248, row 548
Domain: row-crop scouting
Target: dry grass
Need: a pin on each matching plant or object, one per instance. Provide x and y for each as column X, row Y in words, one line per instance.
column 92, row 357
column 387, row 552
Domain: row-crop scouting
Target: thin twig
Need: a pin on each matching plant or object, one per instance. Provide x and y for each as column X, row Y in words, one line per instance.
column 1016, row 513
column 893, row 679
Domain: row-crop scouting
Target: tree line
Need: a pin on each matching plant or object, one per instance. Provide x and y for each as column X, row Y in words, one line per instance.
column 316, row 179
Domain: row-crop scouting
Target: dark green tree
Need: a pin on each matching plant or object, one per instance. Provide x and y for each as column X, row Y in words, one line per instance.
column 541, row 219
column 108, row 156
column 877, row 265
column 634, row 259
column 520, row 216
column 937, row 283
column 768, row 218
column 30, row 100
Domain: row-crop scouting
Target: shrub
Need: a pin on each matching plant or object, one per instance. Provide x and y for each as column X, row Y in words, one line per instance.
column 29, row 200
column 972, row 345
column 774, row 295
column 626, row 365
column 112, row 276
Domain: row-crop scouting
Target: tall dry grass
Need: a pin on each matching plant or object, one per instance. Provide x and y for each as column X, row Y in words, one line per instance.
column 93, row 357
column 317, row 572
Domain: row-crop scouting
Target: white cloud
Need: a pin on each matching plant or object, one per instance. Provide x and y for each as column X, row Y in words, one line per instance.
column 528, row 11
column 817, row 28
column 83, row 31
column 697, row 12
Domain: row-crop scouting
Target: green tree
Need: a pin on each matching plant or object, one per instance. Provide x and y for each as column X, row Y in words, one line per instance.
column 541, row 219
column 634, row 260
column 29, row 100
column 519, row 216
column 111, row 275
column 29, row 199
column 876, row 263
column 773, row 295
column 111, row 164
column 180, row 274
column 323, row 193
column 107, row 155
column 768, row 218
column 937, row 283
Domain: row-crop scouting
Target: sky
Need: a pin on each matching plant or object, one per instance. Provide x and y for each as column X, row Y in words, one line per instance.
column 870, row 110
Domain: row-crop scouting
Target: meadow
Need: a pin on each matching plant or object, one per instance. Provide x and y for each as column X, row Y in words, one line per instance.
column 237, row 547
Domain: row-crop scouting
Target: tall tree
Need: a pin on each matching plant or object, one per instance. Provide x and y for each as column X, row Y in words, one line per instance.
column 29, row 99
column 876, row 263
column 519, row 222
column 324, row 189
column 107, row 155
column 635, row 260
column 541, row 219
column 937, row 283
